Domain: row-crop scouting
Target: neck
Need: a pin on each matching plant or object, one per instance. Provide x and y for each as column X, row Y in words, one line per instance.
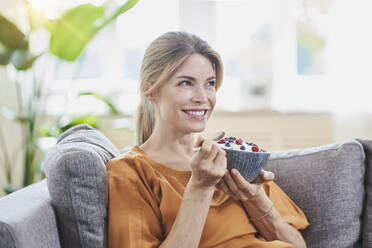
column 165, row 145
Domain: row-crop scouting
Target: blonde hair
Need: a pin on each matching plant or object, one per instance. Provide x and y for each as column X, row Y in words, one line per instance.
column 162, row 58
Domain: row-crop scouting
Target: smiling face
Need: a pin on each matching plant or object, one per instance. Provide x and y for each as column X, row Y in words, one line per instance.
column 185, row 102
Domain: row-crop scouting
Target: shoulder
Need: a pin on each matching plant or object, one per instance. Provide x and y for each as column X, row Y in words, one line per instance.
column 127, row 163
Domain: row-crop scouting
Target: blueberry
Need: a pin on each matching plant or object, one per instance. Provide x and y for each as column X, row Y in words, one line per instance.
column 249, row 143
column 227, row 144
column 242, row 148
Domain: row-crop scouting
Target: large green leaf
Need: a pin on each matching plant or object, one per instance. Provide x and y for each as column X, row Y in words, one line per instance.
column 74, row 29
column 10, row 36
column 124, row 8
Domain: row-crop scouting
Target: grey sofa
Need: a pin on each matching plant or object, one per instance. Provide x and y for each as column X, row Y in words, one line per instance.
column 331, row 183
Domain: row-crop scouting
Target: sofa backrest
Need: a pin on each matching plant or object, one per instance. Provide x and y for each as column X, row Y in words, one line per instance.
column 327, row 183
column 77, row 182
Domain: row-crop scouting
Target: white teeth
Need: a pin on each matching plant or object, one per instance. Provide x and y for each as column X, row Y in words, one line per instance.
column 199, row 113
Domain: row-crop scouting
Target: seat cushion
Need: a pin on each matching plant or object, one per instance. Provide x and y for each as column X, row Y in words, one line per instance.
column 327, row 183
column 77, row 182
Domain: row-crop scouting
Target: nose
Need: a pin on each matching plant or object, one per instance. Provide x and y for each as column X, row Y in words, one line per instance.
column 200, row 94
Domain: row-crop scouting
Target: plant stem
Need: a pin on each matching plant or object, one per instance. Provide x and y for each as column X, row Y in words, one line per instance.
column 6, row 157
column 24, row 130
column 33, row 102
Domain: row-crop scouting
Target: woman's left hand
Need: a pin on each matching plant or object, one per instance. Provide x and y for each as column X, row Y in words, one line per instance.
column 234, row 184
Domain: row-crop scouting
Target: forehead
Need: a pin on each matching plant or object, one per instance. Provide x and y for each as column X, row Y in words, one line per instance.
column 196, row 65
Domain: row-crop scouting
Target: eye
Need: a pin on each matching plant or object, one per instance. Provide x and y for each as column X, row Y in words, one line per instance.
column 184, row 83
column 212, row 83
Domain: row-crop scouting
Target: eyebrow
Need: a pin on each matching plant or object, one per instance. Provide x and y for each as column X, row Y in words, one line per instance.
column 194, row 79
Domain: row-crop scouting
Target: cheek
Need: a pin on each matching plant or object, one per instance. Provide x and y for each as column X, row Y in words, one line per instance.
column 212, row 99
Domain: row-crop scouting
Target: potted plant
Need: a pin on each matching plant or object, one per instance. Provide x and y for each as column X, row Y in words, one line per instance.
column 69, row 35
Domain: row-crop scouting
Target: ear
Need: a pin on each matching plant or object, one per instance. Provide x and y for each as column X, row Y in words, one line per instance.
column 150, row 96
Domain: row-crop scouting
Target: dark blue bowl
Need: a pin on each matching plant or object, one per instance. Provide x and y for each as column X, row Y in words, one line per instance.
column 249, row 164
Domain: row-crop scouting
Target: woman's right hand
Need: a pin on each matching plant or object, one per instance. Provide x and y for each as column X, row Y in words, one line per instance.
column 208, row 165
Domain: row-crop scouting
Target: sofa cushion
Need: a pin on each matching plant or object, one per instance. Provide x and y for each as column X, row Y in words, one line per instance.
column 367, row 213
column 77, row 182
column 327, row 183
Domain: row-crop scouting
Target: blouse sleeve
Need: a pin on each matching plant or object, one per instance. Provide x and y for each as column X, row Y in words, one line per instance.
column 289, row 211
column 133, row 216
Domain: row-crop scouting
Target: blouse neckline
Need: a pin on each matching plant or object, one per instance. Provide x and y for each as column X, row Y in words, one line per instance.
column 164, row 169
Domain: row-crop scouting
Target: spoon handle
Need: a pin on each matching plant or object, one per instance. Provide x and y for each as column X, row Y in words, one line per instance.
column 216, row 138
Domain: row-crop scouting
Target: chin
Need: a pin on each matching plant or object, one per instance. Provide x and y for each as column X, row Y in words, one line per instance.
column 198, row 128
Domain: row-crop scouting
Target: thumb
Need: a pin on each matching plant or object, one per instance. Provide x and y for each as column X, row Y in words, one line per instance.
column 199, row 141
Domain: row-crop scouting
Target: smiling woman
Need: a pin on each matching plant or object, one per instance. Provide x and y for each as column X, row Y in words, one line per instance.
column 163, row 193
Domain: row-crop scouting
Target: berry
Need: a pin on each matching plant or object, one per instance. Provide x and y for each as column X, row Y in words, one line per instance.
column 222, row 141
column 232, row 138
column 249, row 143
column 255, row 145
column 227, row 144
column 255, row 148
column 242, row 148
column 238, row 142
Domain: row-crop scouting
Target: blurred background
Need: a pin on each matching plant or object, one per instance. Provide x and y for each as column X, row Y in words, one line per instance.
column 297, row 72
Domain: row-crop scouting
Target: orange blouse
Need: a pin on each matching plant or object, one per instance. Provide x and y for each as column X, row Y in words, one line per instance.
column 144, row 198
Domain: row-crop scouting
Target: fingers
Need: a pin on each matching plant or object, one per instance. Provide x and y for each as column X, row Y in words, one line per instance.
column 239, row 180
column 224, row 186
column 267, row 175
column 234, row 184
column 233, row 188
column 209, row 150
column 220, row 160
column 264, row 176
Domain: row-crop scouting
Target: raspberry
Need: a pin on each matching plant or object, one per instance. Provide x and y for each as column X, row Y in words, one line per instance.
column 232, row 138
column 238, row 142
column 255, row 148
column 222, row 141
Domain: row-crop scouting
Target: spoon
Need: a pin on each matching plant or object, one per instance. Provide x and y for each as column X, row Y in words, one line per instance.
column 216, row 138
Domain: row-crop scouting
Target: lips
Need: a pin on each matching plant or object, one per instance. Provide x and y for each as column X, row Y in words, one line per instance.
column 196, row 113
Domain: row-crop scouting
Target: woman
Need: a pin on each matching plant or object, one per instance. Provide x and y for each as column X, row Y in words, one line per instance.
column 162, row 193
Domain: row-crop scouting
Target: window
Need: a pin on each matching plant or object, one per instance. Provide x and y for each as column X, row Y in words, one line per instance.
column 290, row 55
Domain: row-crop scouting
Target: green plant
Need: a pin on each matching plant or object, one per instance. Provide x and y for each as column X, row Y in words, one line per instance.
column 69, row 35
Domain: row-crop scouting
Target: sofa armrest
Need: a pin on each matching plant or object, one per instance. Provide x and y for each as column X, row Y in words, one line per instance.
column 27, row 218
